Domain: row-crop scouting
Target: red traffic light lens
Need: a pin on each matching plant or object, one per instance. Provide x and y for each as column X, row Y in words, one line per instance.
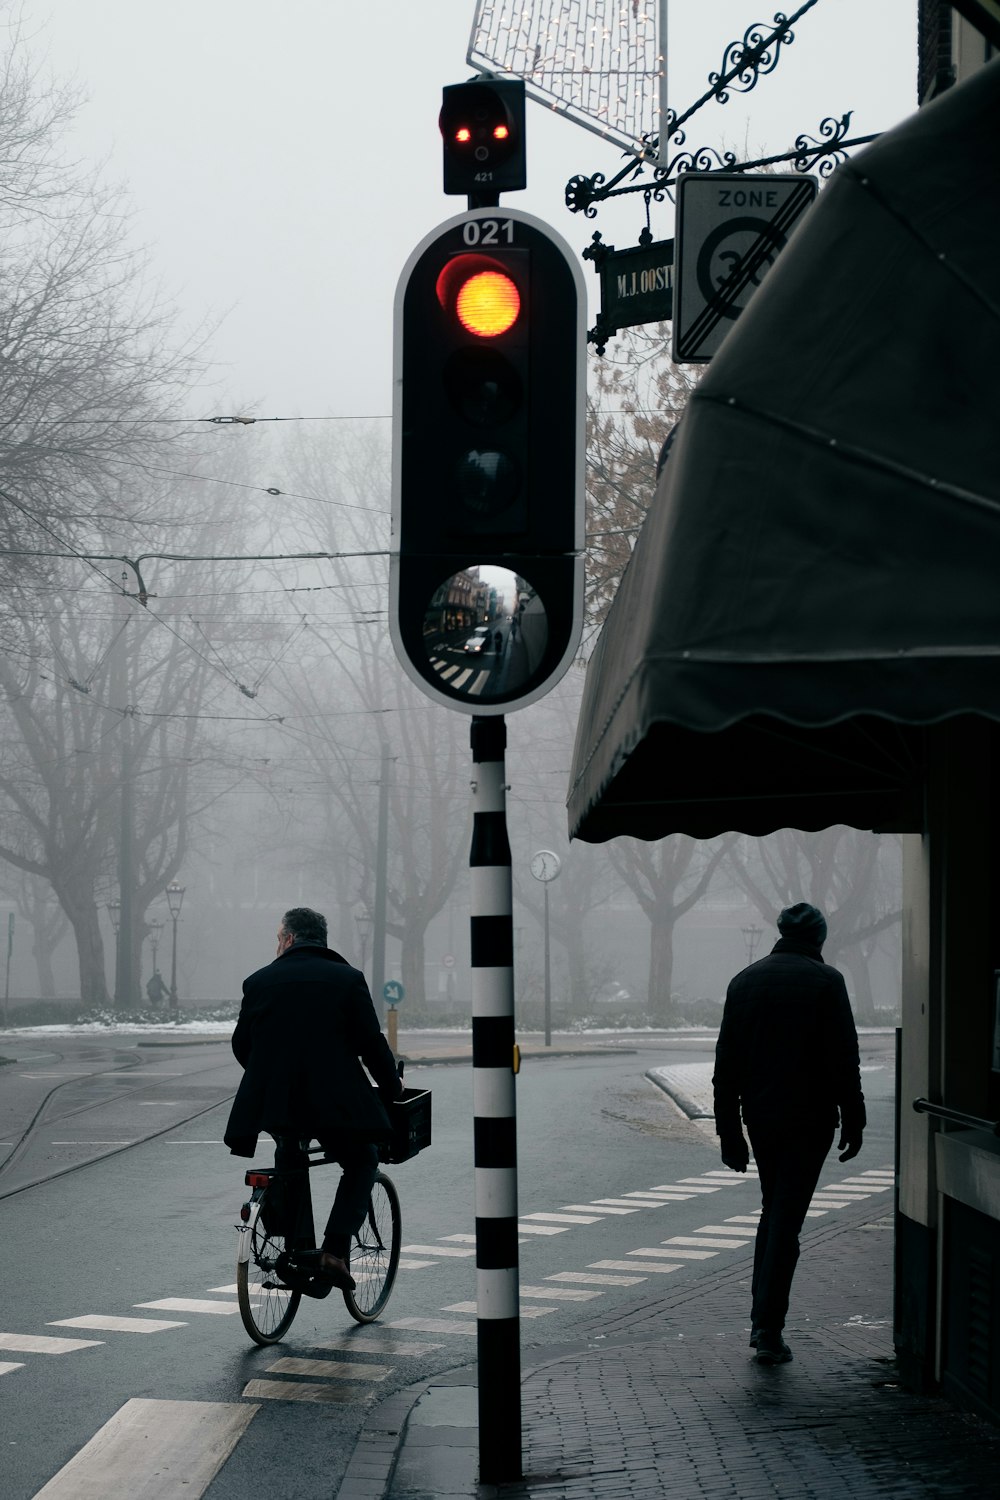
column 463, row 134
column 500, row 133
column 481, row 293
column 488, row 303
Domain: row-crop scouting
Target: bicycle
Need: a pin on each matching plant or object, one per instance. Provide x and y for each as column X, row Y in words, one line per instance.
column 272, row 1276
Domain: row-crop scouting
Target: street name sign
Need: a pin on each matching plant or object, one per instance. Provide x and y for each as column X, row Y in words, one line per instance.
column 731, row 227
column 637, row 286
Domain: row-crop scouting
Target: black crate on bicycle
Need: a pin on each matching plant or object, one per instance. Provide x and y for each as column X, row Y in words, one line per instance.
column 411, row 1125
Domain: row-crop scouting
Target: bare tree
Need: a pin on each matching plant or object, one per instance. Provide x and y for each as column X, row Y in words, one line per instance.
column 360, row 707
column 852, row 876
column 89, row 365
column 668, row 878
column 637, row 398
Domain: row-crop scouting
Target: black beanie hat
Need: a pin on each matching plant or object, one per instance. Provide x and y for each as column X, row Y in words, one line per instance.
column 803, row 923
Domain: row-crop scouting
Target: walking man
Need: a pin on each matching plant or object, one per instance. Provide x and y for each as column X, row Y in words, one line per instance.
column 787, row 1059
column 306, row 1024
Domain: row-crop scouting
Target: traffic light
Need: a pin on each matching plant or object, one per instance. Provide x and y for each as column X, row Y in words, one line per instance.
column 488, row 433
column 482, row 132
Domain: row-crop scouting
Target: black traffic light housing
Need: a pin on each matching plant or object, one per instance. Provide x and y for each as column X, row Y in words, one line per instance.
column 482, row 133
column 488, row 461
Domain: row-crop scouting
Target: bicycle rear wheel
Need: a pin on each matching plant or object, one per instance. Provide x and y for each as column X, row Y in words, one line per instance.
column 267, row 1307
column 375, row 1253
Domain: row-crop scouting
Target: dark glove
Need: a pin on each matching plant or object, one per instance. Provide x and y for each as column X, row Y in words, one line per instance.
column 850, row 1143
column 735, row 1152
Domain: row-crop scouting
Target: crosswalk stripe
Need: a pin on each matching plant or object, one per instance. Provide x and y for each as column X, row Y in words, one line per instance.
column 43, row 1343
column 153, row 1448
column 595, row 1278
column 6, row 1365
column 464, row 1239
column 407, row 1263
column 523, row 1228
column 108, row 1323
column 559, row 1293
column 585, row 1208
column 706, row 1241
column 382, row 1342
column 677, row 1253
column 694, row 1186
column 525, row 1312
column 320, row 1391
column 565, row 1218
column 720, row 1229
column 679, row 1195
column 436, row 1250
column 433, row 1325
column 189, row 1304
column 633, row 1265
column 710, row 1187
column 629, row 1203
column 343, row 1369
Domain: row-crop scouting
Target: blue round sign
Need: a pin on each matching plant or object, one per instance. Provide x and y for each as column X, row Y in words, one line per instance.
column 393, row 991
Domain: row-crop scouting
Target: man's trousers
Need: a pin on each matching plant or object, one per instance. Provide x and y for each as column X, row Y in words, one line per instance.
column 789, row 1160
column 359, row 1163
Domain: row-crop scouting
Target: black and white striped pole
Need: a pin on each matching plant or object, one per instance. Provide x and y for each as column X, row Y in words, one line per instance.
column 494, row 1064
column 489, row 386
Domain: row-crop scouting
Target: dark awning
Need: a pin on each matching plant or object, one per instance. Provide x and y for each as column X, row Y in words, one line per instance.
column 819, row 573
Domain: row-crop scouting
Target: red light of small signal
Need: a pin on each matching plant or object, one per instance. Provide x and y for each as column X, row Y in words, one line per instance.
column 463, row 134
column 500, row 132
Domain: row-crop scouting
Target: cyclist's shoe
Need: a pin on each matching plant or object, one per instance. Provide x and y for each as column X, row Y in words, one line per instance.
column 334, row 1270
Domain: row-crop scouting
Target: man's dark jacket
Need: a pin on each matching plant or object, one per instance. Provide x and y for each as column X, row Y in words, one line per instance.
column 305, row 1021
column 788, row 1048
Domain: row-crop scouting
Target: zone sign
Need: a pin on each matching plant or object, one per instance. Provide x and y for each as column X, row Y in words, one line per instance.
column 730, row 229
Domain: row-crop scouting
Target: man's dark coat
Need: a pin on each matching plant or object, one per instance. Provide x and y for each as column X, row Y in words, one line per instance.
column 305, row 1021
column 788, row 1048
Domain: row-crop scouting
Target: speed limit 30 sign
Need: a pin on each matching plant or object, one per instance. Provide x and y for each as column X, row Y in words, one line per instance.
column 730, row 229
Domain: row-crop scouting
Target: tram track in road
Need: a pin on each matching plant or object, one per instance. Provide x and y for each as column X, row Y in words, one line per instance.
column 44, row 1116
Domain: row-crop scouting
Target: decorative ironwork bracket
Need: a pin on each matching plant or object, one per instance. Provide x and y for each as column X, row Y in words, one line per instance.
column 823, row 152
column 743, row 65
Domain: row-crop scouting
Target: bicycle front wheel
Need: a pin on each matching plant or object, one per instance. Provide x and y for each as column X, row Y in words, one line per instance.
column 375, row 1253
column 267, row 1306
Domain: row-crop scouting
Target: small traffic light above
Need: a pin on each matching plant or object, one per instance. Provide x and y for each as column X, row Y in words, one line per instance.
column 487, row 568
column 482, row 132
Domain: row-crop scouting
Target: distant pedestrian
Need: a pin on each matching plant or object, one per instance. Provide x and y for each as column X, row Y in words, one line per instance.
column 498, row 641
column 156, row 989
column 787, row 1058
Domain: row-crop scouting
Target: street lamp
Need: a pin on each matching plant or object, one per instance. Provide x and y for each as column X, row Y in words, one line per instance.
column 175, row 898
column 545, row 866
column 751, row 937
column 155, row 928
column 365, row 923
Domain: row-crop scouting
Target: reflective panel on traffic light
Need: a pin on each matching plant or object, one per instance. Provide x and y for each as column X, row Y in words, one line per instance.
column 483, row 632
column 488, row 460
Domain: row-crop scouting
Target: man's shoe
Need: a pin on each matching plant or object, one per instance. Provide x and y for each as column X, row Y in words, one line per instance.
column 771, row 1347
column 333, row 1268
column 754, row 1335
